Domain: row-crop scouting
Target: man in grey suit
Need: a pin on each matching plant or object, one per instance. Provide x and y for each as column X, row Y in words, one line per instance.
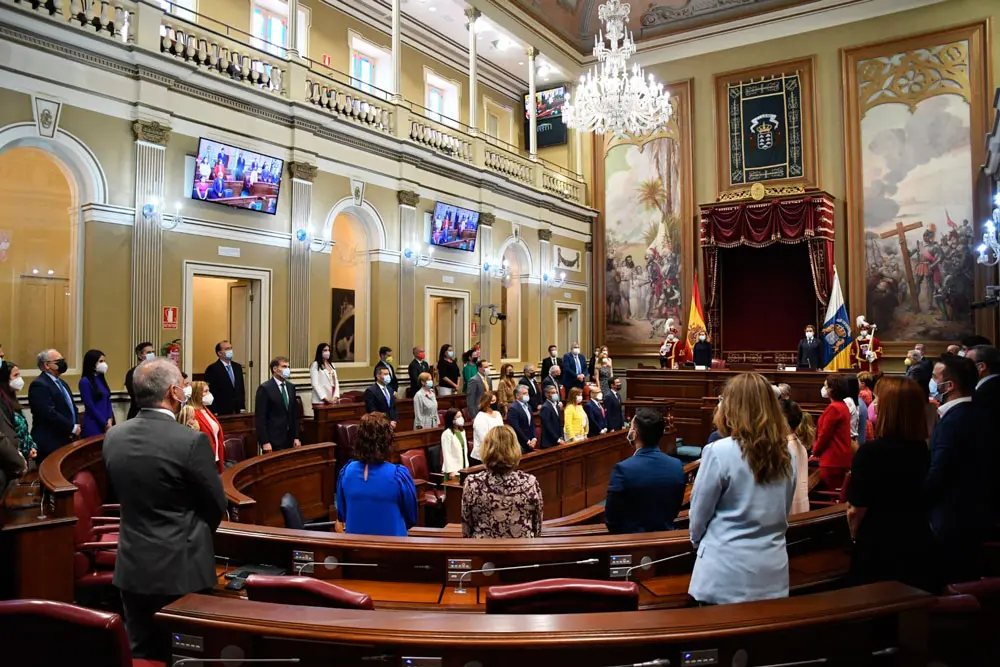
column 172, row 501
column 478, row 386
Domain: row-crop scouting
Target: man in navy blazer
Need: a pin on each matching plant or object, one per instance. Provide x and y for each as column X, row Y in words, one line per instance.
column 551, row 414
column 379, row 397
column 574, row 369
column 519, row 418
column 613, row 406
column 958, row 486
column 53, row 416
column 596, row 416
column 646, row 490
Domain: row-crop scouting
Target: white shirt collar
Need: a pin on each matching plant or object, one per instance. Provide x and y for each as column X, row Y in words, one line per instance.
column 950, row 404
column 226, row 362
column 162, row 411
column 985, row 380
column 278, row 381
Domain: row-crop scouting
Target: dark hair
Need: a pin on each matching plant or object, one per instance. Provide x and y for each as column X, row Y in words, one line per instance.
column 449, row 417
column 793, row 413
column 901, row 406
column 277, row 362
column 553, row 346
column 961, row 371
column 989, row 355
column 837, row 386
column 853, row 387
column 90, row 372
column 141, row 346
column 374, row 439
column 481, row 363
column 443, row 354
column 6, row 368
column 466, row 356
column 320, row 361
column 649, row 425
column 382, row 351
column 218, row 346
column 970, row 342
column 486, row 401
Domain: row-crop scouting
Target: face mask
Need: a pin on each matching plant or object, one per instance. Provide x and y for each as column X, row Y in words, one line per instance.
column 493, row 403
column 701, row 338
column 576, row 350
column 599, row 397
column 531, row 374
column 326, row 354
column 459, row 422
column 187, row 392
column 207, row 400
column 510, row 374
column 824, row 393
column 229, row 354
column 553, row 353
column 149, row 356
column 809, row 335
column 616, row 389
column 524, row 398
column 908, row 361
column 554, row 398
column 388, row 359
column 17, row 384
column 475, row 356
column 286, row 373
column 385, row 380
column 101, row 368
column 429, row 384
column 579, row 399
column 451, row 354
column 937, row 392
column 961, row 353
column 421, row 356
column 61, row 366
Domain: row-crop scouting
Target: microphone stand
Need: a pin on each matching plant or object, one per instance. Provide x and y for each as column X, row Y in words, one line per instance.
column 628, row 572
column 460, row 590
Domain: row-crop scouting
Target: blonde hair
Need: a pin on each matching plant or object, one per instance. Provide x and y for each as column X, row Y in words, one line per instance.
column 197, row 394
column 806, row 431
column 751, row 415
column 500, row 450
column 186, row 416
column 423, row 378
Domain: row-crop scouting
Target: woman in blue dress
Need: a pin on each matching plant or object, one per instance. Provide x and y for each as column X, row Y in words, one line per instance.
column 375, row 497
column 96, row 395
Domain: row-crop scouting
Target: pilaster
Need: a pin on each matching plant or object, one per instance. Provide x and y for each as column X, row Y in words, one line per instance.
column 546, row 312
column 589, row 268
column 486, row 221
column 408, row 201
column 299, row 253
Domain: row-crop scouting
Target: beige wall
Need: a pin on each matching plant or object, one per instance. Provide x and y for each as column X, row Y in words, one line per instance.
column 211, row 318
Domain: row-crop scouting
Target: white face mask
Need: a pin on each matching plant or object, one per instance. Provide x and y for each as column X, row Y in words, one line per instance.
column 701, row 338
column 579, row 399
column 459, row 422
column 187, row 393
column 229, row 354
column 961, row 353
column 429, row 384
column 554, row 353
column 809, row 335
column 286, row 373
column 150, row 356
column 17, row 384
column 326, row 354
column 824, row 393
column 599, row 396
column 576, row 350
column 207, row 400
column 101, row 368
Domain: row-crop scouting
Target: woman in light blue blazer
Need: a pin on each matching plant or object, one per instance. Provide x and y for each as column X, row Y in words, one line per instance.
column 741, row 499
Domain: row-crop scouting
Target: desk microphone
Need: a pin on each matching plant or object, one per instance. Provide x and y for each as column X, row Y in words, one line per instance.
column 628, row 572
column 330, row 563
column 191, row 661
column 490, row 569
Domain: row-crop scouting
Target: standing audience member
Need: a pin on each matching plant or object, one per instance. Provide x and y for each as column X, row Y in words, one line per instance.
column 200, row 401
column 521, row 419
column 323, row 378
column 535, row 396
column 552, row 380
column 604, row 371
column 477, row 387
column 986, row 404
column 374, row 496
column 95, row 395
column 448, row 372
column 385, row 363
column 958, row 482
column 425, row 404
column 225, row 379
column 833, row 435
column 887, row 519
column 859, row 415
column 741, row 499
column 702, row 352
column 53, row 416
column 143, row 352
column 785, row 391
column 379, row 397
column 551, row 415
column 550, row 361
column 646, row 490
column 970, row 342
column 793, row 414
column 186, row 418
column 11, row 382
column 171, row 503
column 12, row 462
column 613, row 406
column 454, row 448
column 501, row 501
column 597, row 418
column 866, row 388
column 810, row 351
column 505, row 388
column 574, row 369
column 806, row 432
column 487, row 418
column 417, row 366
column 470, row 368
column 277, row 413
column 575, row 425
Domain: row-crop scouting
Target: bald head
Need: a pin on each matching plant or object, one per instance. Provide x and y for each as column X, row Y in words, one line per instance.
column 158, row 384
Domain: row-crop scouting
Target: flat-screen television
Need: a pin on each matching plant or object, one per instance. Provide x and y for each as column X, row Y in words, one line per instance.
column 548, row 117
column 454, row 227
column 224, row 174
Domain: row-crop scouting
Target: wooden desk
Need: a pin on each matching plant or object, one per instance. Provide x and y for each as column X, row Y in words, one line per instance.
column 839, row 628
column 241, row 424
column 328, row 416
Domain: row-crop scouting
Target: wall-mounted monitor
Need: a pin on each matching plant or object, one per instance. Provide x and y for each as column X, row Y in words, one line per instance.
column 548, row 117
column 454, row 227
column 236, row 177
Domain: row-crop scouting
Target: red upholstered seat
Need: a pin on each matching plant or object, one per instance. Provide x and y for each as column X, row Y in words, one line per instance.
column 352, row 396
column 821, row 498
column 235, row 448
column 304, row 591
column 346, row 436
column 987, row 591
column 96, row 546
column 44, row 633
column 955, row 604
column 86, row 484
column 416, row 462
column 563, row 596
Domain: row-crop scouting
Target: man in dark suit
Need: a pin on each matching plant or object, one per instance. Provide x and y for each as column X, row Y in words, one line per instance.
column 597, row 419
column 277, row 412
column 385, row 361
column 417, row 366
column 535, row 396
column 552, row 380
column 810, row 351
column 521, row 419
column 550, row 361
column 225, row 381
column 171, row 497
column 552, row 421
column 986, row 404
column 379, row 396
column 574, row 369
column 143, row 352
column 613, row 406
column 479, row 384
column 957, row 489
column 54, row 420
column 646, row 490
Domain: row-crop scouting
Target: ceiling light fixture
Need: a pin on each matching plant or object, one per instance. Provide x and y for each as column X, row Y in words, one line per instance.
column 611, row 98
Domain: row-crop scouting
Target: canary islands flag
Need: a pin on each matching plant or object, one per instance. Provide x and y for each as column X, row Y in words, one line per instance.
column 836, row 330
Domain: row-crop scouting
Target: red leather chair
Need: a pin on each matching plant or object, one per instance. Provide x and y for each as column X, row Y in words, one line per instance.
column 86, row 484
column 345, row 434
column 95, row 546
column 235, row 447
column 830, row 498
column 352, row 396
column 718, row 364
column 304, row 591
column 416, row 462
column 43, row 633
column 986, row 591
column 563, row 596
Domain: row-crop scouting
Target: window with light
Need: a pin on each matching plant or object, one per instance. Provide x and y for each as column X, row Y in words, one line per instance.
column 363, row 71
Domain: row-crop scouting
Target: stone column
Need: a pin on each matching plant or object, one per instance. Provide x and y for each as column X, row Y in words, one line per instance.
column 397, row 53
column 545, row 297
column 578, row 150
column 486, row 221
column 303, row 174
column 408, row 201
column 473, row 15
column 292, row 47
column 147, row 236
column 589, row 267
column 532, row 52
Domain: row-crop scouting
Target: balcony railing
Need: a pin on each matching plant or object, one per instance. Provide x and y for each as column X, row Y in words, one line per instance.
column 229, row 53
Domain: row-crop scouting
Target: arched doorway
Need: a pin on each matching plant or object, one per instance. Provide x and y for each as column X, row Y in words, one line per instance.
column 517, row 262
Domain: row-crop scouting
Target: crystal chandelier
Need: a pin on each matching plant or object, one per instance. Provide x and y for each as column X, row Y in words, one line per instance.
column 612, row 98
column 991, row 242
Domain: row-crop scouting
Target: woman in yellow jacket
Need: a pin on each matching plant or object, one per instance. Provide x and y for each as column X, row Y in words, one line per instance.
column 574, row 418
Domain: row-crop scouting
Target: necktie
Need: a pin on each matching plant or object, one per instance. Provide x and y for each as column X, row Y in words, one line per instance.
column 67, row 398
column 577, row 360
column 232, row 378
column 385, row 392
column 284, row 394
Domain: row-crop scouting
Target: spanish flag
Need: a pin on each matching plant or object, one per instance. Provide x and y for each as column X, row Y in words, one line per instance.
column 696, row 318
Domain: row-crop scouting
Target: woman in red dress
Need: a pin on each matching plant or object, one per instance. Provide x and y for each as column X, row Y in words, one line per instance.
column 201, row 399
column 833, row 437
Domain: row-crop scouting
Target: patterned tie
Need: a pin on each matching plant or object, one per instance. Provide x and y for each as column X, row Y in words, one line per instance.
column 577, row 360
column 232, row 378
column 385, row 392
column 284, row 395
column 68, row 398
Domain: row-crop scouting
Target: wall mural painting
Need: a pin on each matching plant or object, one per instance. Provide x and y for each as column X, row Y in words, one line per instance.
column 915, row 128
column 343, row 324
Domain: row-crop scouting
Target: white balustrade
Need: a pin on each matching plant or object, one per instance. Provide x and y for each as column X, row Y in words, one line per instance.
column 349, row 103
column 108, row 18
column 508, row 164
column 440, row 138
column 562, row 186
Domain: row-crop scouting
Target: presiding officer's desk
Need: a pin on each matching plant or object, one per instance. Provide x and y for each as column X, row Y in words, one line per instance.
column 879, row 624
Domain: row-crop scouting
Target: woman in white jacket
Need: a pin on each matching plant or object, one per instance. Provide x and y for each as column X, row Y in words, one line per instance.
column 323, row 376
column 454, row 446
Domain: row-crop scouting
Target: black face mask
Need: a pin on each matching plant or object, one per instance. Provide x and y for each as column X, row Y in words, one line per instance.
column 61, row 366
column 531, row 374
column 510, row 374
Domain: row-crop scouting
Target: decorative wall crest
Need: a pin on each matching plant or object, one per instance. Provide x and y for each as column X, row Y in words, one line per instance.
column 151, row 132
column 544, row 234
column 487, row 219
column 358, row 191
column 47, row 114
column 407, row 198
column 302, row 171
